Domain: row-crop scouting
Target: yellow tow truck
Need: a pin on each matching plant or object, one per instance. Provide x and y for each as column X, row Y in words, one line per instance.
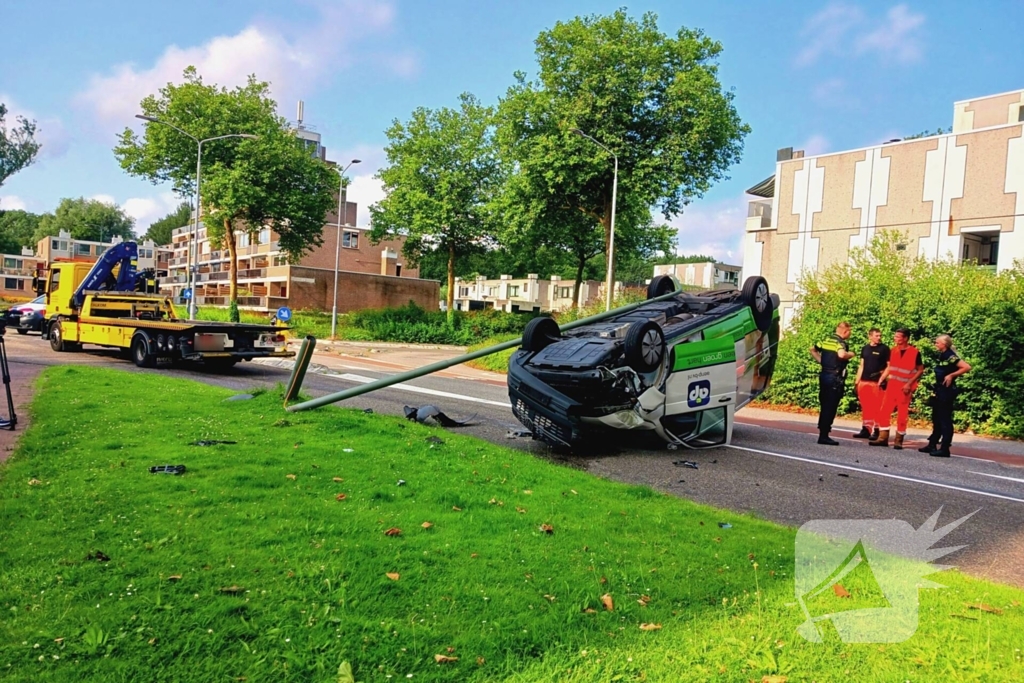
column 112, row 304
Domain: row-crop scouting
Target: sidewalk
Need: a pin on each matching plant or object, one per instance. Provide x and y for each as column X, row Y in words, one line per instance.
column 389, row 357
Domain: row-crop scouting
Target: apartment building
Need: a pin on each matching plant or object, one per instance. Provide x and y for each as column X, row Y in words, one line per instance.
column 522, row 294
column 958, row 196
column 702, row 275
column 17, row 272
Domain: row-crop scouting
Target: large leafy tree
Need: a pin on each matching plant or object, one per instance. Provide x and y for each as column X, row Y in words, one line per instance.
column 160, row 231
column 443, row 172
column 18, row 146
column 653, row 100
column 86, row 219
column 17, row 230
column 248, row 184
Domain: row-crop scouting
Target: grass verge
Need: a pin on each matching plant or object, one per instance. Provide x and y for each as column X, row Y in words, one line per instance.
column 270, row 559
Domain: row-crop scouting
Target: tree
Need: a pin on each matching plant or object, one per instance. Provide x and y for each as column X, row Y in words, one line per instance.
column 17, row 230
column 929, row 133
column 653, row 100
column 18, row 147
column 86, row 219
column 692, row 258
column 443, row 171
column 160, row 231
column 248, row 184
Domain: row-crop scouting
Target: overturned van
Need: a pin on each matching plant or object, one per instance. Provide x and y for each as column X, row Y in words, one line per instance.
column 680, row 367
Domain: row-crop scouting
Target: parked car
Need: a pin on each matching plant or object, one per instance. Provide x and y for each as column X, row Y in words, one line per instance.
column 679, row 367
column 27, row 317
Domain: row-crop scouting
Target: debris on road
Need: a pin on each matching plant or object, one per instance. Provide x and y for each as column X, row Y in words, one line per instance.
column 99, row 556
column 239, row 397
column 843, row 474
column 685, row 463
column 518, row 434
column 401, row 482
column 432, row 415
column 435, row 439
column 212, row 442
column 724, row 525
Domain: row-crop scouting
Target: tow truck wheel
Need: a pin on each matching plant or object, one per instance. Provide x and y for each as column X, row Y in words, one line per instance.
column 539, row 333
column 57, row 342
column 645, row 346
column 660, row 285
column 140, row 353
column 756, row 295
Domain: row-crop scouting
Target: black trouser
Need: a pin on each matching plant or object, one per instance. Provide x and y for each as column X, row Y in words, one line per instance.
column 831, row 387
column 942, row 421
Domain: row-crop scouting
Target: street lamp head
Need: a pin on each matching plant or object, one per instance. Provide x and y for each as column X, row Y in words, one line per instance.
column 578, row 132
column 355, row 161
column 151, row 119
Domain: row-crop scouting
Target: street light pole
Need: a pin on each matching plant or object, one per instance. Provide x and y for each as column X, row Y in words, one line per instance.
column 192, row 256
column 611, row 237
column 342, row 200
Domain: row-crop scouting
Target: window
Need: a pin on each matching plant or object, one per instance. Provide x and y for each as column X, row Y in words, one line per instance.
column 100, row 249
column 54, row 280
column 1020, row 114
column 565, row 292
column 82, row 249
column 350, row 239
column 243, row 239
column 398, row 270
column 463, row 292
column 513, row 290
column 12, row 263
column 280, row 261
column 13, row 283
column 265, row 236
column 59, row 245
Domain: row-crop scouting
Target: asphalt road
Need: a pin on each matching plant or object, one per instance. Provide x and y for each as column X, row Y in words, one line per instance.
column 773, row 473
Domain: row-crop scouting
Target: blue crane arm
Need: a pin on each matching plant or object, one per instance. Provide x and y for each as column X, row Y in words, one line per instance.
column 101, row 277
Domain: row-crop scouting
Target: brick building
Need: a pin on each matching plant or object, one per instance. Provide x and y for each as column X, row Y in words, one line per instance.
column 958, row 196
column 17, row 271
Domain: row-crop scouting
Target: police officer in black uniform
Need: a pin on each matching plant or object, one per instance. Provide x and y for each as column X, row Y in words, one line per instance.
column 947, row 369
column 832, row 354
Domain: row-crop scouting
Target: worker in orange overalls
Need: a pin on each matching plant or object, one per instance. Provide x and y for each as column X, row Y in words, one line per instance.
column 900, row 380
column 873, row 359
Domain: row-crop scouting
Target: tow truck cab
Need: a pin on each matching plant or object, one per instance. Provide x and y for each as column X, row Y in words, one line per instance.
column 111, row 304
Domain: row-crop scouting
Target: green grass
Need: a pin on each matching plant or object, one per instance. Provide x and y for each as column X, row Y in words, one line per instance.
column 310, row 570
column 303, row 322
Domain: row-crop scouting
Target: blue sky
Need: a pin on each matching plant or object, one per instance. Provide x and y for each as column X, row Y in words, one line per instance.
column 816, row 76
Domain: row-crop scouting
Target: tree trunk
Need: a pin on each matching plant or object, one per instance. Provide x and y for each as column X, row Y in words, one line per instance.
column 451, row 283
column 579, row 282
column 229, row 239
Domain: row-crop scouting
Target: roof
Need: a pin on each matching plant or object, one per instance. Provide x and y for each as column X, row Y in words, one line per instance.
column 765, row 188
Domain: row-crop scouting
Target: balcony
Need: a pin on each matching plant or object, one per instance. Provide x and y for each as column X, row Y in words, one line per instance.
column 252, row 273
column 172, row 280
column 759, row 214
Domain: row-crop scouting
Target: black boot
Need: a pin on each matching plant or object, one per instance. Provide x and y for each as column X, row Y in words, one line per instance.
column 928, row 447
column 862, row 434
column 874, row 434
column 940, row 453
column 824, row 440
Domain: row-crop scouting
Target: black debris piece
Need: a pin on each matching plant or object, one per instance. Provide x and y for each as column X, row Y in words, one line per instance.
column 99, row 556
column 685, row 463
column 518, row 434
column 433, row 415
column 211, row 442
column 368, row 411
column 239, row 397
column 714, row 462
column 841, row 474
column 167, row 469
column 435, row 439
column 682, row 481
column 671, row 446
column 724, row 525
column 821, row 478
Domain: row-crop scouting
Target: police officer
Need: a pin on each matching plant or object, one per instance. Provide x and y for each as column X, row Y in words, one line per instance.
column 832, row 354
column 947, row 369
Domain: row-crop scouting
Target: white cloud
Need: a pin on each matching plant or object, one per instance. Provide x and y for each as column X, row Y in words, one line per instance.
column 294, row 59
column 105, row 198
column 363, row 188
column 897, row 38
column 815, row 145
column 713, row 228
column 147, row 210
column 826, row 30
column 50, row 130
column 12, row 203
column 843, row 30
column 832, row 92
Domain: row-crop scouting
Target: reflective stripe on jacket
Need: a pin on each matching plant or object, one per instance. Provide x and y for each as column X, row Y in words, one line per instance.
column 903, row 366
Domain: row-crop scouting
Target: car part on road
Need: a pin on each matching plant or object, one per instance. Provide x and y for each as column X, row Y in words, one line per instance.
column 686, row 463
column 513, row 433
column 212, row 442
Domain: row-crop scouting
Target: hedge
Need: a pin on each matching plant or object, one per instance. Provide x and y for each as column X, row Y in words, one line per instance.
column 885, row 287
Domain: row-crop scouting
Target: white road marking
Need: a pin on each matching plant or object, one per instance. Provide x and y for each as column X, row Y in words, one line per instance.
column 879, row 474
column 996, row 476
column 417, row 390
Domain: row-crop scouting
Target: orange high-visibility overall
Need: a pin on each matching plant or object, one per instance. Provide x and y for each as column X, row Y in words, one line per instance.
column 902, row 367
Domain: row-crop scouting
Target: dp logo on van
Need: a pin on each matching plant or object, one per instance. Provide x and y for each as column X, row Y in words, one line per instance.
column 699, row 393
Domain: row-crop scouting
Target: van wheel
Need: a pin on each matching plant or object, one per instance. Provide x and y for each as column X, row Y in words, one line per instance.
column 756, row 295
column 22, row 331
column 540, row 333
column 660, row 285
column 645, row 346
column 140, row 353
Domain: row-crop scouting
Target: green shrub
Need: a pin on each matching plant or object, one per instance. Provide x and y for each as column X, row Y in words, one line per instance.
column 887, row 288
column 414, row 325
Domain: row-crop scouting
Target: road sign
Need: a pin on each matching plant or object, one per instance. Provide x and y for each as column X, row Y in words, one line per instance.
column 284, row 314
column 186, row 293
